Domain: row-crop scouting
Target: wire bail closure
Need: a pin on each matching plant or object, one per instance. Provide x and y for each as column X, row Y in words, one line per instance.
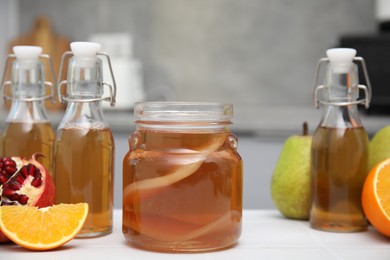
column 52, row 87
column 367, row 89
column 112, row 88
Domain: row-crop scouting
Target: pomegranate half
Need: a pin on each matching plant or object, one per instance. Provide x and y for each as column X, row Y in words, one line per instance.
column 24, row 181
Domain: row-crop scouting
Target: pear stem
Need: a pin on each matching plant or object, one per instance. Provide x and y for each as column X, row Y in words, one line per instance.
column 305, row 129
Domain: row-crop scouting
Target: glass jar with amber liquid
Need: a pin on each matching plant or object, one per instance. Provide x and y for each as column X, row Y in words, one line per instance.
column 182, row 178
column 339, row 163
column 27, row 129
column 84, row 144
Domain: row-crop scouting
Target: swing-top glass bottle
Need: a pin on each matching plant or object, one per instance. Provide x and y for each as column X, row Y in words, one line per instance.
column 84, row 144
column 27, row 129
column 340, row 145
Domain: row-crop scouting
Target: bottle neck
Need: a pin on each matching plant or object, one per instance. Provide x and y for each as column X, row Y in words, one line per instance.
column 84, row 115
column 84, row 92
column 27, row 92
column 85, row 79
column 339, row 97
column 341, row 86
column 27, row 111
column 27, row 80
column 335, row 116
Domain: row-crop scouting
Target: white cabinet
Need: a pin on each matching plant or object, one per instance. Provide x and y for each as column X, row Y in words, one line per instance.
column 259, row 157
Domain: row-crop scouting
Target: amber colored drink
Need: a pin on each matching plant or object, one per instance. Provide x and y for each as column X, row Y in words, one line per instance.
column 182, row 191
column 339, row 168
column 84, row 173
column 26, row 138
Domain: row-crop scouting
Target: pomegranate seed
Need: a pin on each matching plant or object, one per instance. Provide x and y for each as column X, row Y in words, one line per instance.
column 24, row 171
column 37, row 172
column 31, row 169
column 7, row 168
column 14, row 185
column 23, row 199
column 10, row 169
column 36, row 183
column 7, row 192
column 19, row 178
column 9, row 162
column 6, row 173
column 14, row 197
column 38, row 175
column 3, row 179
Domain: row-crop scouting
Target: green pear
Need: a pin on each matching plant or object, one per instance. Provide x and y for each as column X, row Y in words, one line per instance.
column 379, row 147
column 290, row 185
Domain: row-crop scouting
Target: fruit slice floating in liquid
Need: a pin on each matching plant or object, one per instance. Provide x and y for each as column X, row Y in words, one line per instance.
column 177, row 175
column 167, row 229
column 153, row 225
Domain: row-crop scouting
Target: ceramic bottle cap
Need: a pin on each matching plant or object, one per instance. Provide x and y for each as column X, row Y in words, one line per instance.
column 85, row 49
column 27, row 52
column 341, row 59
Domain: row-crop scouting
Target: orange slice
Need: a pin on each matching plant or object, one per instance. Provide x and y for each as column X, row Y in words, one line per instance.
column 376, row 197
column 42, row 228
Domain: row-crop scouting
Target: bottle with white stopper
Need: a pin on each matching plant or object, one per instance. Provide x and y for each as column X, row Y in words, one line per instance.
column 27, row 129
column 84, row 144
column 340, row 145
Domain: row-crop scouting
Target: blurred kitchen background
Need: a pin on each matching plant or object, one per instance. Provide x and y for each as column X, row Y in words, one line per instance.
column 260, row 55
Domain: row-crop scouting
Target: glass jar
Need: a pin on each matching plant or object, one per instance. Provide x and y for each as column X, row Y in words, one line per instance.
column 182, row 178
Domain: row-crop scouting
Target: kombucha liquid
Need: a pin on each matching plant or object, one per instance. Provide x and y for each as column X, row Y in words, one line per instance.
column 26, row 138
column 180, row 194
column 339, row 168
column 84, row 167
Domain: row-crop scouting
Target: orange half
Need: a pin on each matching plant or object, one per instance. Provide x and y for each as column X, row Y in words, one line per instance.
column 376, row 197
column 42, row 228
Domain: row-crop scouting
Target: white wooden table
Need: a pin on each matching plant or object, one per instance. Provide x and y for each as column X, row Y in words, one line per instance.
column 266, row 235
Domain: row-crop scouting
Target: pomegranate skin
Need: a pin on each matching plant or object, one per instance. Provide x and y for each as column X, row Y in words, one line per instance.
column 3, row 238
column 48, row 196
